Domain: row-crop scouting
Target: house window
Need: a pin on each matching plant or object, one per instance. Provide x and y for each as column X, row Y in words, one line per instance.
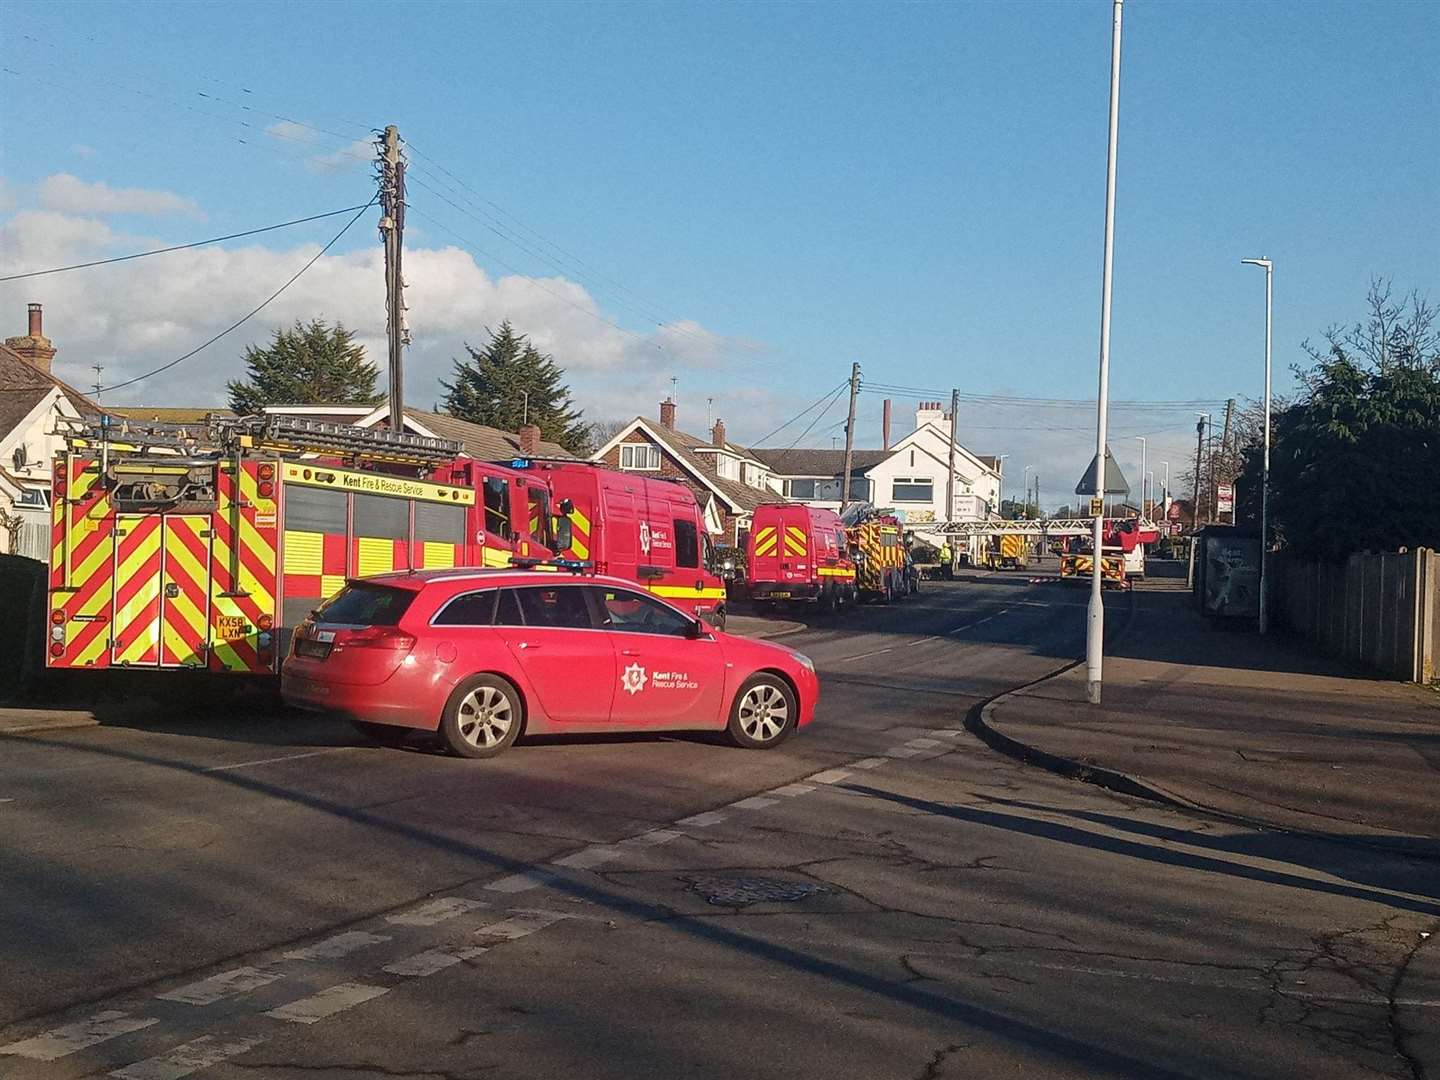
column 917, row 489
column 639, row 457
column 800, row 489
column 727, row 467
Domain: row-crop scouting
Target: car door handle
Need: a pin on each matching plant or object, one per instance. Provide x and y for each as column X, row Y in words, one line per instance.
column 629, row 652
column 528, row 645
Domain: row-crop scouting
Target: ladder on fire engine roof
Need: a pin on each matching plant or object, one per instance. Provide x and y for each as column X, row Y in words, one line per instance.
column 273, row 433
column 1050, row 527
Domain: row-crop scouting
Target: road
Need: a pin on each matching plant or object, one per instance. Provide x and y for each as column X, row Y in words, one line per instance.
column 248, row 894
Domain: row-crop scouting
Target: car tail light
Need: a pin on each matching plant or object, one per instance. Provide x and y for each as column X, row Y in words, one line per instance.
column 57, row 617
column 266, row 471
column 265, row 489
column 376, row 637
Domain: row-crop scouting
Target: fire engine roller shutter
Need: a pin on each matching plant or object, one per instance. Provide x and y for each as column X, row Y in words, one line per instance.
column 236, row 607
column 439, row 534
column 136, row 640
column 184, row 599
column 89, row 558
column 315, row 524
column 381, row 525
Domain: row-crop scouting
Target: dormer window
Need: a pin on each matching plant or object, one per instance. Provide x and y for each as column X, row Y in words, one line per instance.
column 639, row 457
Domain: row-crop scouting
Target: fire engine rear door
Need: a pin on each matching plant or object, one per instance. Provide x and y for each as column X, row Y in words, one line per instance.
column 185, row 595
column 135, row 637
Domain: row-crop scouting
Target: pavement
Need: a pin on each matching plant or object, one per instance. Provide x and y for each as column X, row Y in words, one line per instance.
column 1260, row 728
column 234, row 892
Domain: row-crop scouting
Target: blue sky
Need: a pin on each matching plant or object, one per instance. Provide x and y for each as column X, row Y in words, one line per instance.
column 916, row 187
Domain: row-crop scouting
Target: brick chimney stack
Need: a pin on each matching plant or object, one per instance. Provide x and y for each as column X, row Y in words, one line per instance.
column 717, row 436
column 667, row 414
column 34, row 346
column 529, row 440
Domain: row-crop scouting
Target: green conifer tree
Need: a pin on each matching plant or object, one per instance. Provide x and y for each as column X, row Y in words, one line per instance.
column 306, row 364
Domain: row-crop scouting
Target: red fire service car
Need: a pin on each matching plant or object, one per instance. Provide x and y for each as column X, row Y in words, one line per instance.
column 480, row 655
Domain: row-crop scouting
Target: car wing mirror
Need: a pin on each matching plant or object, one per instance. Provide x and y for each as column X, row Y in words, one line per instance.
column 695, row 630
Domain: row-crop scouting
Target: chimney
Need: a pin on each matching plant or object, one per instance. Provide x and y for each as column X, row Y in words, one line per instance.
column 667, row 414
column 529, row 440
column 885, row 425
column 34, row 346
column 717, row 435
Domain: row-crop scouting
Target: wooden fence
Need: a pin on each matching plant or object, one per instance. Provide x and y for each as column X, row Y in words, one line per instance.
column 1379, row 611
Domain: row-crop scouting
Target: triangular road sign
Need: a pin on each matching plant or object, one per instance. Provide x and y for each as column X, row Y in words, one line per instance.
column 1115, row 482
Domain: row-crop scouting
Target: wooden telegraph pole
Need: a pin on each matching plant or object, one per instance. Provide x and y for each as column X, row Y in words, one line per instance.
column 850, row 436
column 392, row 233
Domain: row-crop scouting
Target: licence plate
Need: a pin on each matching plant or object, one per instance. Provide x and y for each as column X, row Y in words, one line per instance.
column 316, row 650
column 232, row 627
column 780, row 595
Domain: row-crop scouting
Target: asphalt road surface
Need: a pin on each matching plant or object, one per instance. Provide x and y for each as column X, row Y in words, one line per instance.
column 237, row 893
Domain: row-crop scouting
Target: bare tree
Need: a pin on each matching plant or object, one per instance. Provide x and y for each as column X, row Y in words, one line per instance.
column 1396, row 334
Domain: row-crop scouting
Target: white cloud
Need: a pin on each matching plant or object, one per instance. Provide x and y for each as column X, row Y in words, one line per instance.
column 80, row 150
column 135, row 316
column 69, row 194
column 291, row 132
column 358, row 155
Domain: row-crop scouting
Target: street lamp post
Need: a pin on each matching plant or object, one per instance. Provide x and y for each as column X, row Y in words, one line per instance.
column 1165, row 487
column 1265, row 460
column 1142, row 473
column 1000, row 461
column 1026, row 481
column 1095, row 613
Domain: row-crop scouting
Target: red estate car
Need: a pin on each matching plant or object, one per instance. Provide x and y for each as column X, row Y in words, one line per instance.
column 482, row 654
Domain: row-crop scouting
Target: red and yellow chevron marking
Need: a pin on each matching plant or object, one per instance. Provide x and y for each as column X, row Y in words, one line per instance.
column 765, row 542
column 579, row 535
column 795, row 540
column 185, row 604
column 135, row 639
column 86, row 602
column 236, row 608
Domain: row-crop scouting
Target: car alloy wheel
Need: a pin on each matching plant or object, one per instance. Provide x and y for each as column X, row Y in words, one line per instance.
column 484, row 717
column 763, row 714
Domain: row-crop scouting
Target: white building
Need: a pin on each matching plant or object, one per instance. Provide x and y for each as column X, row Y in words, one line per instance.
column 910, row 476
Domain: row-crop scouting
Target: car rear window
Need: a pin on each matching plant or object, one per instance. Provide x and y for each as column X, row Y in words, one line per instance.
column 363, row 604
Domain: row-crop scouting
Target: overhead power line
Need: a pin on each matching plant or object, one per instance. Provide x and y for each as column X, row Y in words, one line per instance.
column 1011, row 399
column 253, row 311
column 184, row 247
column 803, row 412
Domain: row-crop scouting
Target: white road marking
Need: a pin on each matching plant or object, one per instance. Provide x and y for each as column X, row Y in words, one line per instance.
column 6, row 800
column 924, row 744
column 755, row 802
column 59, row 1042
column 327, row 1002
column 951, row 733
column 789, row 791
column 902, row 751
column 189, row 1057
column 273, row 760
column 869, row 763
column 433, row 960
column 863, row 655
column 225, row 984
column 336, row 946
column 828, row 776
column 521, row 924
column 971, row 626
column 436, row 911
column 652, row 838
column 590, row 857
column 709, row 817
column 529, row 879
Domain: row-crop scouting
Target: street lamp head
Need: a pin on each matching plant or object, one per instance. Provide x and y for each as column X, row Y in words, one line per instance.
column 1257, row 262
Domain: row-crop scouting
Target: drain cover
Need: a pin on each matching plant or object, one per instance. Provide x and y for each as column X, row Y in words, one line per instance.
column 737, row 892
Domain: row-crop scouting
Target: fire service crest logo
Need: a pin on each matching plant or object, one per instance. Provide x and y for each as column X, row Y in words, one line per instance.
column 633, row 679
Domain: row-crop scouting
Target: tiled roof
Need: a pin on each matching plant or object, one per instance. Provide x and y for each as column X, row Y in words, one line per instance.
column 481, row 442
column 18, row 374
column 988, row 461
column 683, row 445
column 818, row 462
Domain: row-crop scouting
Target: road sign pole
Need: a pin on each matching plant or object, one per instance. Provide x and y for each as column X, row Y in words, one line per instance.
column 1095, row 621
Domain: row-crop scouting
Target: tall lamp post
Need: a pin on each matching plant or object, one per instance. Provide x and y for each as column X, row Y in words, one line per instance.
column 1026, row 480
column 1000, row 460
column 1142, row 473
column 1265, row 460
column 1165, row 487
column 1095, row 612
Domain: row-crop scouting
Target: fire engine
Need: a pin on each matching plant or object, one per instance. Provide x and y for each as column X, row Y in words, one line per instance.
column 878, row 542
column 203, row 546
column 798, row 552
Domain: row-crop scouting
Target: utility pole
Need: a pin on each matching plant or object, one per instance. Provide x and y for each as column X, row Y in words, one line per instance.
column 1225, row 459
column 97, row 368
column 950, row 476
column 392, row 232
column 1199, row 464
column 1095, row 613
column 850, row 436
